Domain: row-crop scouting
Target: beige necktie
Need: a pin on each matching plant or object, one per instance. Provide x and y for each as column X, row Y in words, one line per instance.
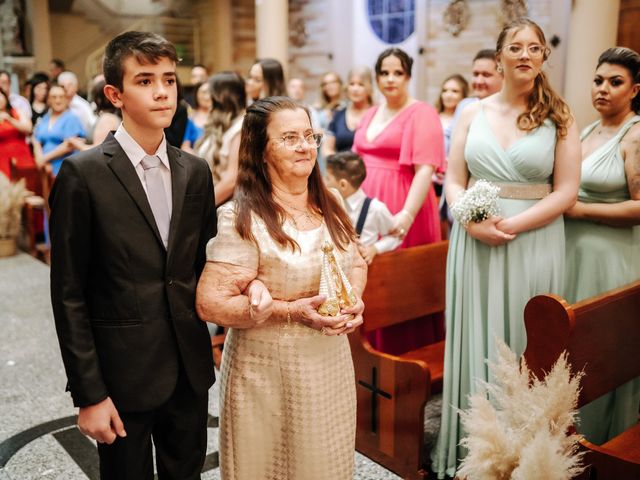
column 157, row 195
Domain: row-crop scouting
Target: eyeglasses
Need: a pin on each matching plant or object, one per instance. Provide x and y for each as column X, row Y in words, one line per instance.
column 515, row 50
column 293, row 142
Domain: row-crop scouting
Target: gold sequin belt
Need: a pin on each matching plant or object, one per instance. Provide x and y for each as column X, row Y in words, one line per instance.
column 519, row 191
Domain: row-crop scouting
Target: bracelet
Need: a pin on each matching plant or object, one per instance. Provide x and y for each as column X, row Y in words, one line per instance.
column 288, row 315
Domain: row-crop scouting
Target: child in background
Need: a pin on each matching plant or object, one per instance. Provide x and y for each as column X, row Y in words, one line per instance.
column 371, row 218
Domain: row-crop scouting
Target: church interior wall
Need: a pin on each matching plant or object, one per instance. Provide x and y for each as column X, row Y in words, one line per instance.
column 73, row 38
column 446, row 54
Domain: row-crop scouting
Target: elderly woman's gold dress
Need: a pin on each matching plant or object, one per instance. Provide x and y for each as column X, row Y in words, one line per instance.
column 287, row 393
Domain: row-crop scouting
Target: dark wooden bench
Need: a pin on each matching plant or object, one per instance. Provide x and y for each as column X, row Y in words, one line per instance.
column 392, row 390
column 602, row 336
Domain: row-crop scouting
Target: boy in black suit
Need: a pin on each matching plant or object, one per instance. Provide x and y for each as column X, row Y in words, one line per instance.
column 130, row 220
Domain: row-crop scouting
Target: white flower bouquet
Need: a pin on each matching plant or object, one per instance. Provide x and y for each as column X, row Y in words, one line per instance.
column 477, row 203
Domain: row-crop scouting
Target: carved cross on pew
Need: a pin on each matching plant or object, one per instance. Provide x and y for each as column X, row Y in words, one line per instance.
column 375, row 391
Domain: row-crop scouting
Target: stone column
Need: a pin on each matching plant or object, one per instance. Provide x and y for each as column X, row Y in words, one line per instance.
column 216, row 39
column 594, row 27
column 40, row 29
column 272, row 30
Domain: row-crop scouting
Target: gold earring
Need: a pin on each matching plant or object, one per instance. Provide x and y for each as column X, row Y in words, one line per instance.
column 499, row 68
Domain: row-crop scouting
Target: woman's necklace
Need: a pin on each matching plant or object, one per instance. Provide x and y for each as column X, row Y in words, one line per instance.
column 308, row 217
column 611, row 130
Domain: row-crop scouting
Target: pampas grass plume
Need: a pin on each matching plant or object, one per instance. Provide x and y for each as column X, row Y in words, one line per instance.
column 517, row 425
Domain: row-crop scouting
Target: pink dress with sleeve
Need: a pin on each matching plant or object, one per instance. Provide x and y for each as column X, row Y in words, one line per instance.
column 413, row 137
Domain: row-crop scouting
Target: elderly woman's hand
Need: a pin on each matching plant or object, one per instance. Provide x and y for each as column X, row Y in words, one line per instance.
column 356, row 312
column 305, row 311
column 260, row 301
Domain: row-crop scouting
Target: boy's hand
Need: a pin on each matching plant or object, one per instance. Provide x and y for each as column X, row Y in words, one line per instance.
column 101, row 422
column 368, row 252
column 260, row 301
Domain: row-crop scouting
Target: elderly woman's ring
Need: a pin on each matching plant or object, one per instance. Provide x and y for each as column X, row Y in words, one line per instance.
column 402, row 231
column 323, row 330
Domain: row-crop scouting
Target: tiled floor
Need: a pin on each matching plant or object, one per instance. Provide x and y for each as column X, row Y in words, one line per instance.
column 37, row 436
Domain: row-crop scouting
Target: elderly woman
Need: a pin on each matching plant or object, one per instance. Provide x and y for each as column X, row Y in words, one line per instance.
column 52, row 134
column 288, row 406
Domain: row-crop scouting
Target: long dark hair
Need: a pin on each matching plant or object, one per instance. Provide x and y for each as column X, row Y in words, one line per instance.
column 543, row 101
column 253, row 193
column 273, row 77
column 630, row 60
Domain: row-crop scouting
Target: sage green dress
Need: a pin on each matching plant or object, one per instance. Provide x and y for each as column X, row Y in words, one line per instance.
column 601, row 258
column 488, row 287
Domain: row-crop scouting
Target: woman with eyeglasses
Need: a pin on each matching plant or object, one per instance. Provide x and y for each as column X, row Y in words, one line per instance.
column 603, row 228
column 288, row 404
column 522, row 139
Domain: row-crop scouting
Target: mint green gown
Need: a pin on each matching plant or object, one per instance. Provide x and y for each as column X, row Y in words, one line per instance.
column 488, row 287
column 600, row 258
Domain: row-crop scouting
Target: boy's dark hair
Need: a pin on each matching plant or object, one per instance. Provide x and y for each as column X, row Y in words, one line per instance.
column 146, row 47
column 103, row 104
column 349, row 166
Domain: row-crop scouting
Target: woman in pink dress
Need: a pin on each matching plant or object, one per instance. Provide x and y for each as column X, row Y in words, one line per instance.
column 402, row 145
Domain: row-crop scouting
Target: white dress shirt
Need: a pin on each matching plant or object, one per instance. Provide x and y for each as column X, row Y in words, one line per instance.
column 377, row 224
column 84, row 112
column 136, row 153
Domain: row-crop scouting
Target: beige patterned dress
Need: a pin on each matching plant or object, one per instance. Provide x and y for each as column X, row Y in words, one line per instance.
column 287, row 394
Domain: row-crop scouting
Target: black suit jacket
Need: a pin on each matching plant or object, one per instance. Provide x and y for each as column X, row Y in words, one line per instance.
column 124, row 305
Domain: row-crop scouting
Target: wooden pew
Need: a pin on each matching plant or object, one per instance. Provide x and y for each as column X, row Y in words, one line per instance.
column 602, row 336
column 392, row 390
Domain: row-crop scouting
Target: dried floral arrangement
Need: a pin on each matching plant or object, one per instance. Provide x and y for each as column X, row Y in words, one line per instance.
column 518, row 426
column 12, row 197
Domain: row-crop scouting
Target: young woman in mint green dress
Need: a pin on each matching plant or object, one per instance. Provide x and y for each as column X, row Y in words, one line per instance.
column 603, row 228
column 524, row 140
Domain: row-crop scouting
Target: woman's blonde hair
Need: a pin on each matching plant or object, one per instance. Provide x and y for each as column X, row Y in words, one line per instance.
column 543, row 102
column 365, row 75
